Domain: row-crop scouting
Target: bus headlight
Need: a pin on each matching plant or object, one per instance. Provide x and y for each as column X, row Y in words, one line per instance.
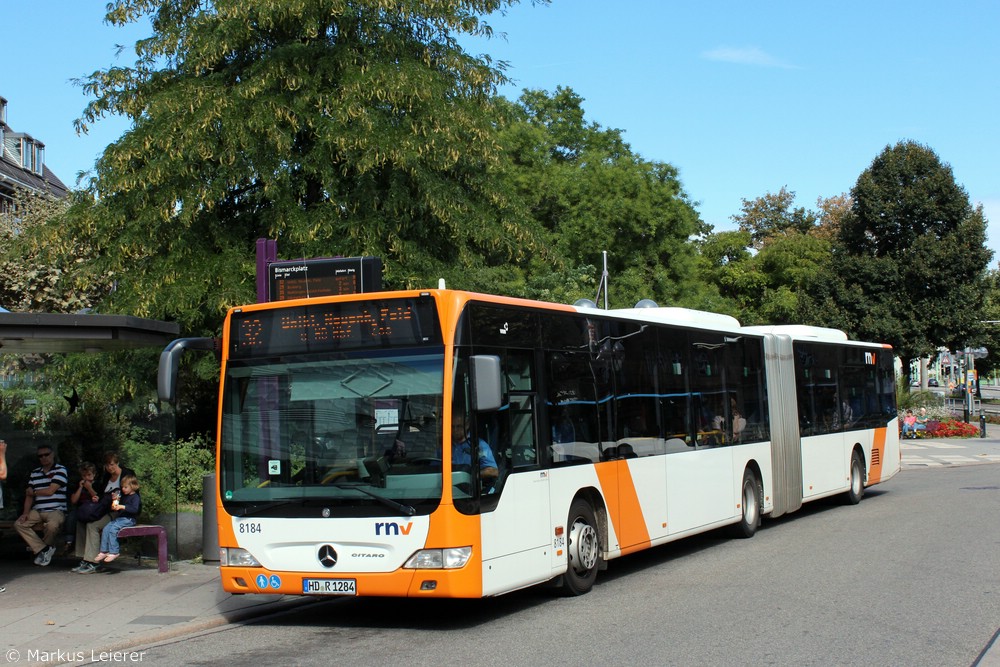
column 235, row 557
column 439, row 559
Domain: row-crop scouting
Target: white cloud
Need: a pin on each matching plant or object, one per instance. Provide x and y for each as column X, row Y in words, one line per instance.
column 751, row 55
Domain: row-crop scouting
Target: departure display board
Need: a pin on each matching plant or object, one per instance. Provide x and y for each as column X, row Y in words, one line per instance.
column 306, row 278
column 369, row 323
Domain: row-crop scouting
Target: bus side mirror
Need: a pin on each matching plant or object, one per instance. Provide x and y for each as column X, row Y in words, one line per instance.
column 484, row 372
column 166, row 377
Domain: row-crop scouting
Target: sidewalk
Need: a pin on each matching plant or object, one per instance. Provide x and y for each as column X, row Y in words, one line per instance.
column 49, row 615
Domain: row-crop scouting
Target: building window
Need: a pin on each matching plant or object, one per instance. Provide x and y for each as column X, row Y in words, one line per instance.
column 26, row 153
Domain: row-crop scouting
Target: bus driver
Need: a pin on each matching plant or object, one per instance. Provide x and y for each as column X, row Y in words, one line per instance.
column 461, row 452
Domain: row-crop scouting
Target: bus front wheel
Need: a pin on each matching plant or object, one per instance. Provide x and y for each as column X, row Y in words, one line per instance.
column 857, row 489
column 583, row 547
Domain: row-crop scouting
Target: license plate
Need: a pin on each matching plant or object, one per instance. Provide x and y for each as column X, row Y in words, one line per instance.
column 330, row 586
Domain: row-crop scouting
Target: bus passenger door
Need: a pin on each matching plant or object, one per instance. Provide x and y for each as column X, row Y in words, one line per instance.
column 516, row 533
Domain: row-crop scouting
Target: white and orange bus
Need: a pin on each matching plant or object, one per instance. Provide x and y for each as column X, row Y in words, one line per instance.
column 595, row 434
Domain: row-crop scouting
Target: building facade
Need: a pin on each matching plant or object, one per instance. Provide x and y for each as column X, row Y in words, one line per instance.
column 22, row 164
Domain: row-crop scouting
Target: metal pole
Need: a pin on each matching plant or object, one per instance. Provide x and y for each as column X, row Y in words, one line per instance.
column 969, row 375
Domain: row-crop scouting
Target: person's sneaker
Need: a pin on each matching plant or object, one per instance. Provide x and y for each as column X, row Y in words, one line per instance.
column 86, row 568
column 45, row 557
column 79, row 566
column 110, row 557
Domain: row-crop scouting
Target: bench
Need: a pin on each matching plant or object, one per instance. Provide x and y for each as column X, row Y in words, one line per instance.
column 161, row 539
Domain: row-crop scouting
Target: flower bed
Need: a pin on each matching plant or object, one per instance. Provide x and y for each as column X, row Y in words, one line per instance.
column 949, row 428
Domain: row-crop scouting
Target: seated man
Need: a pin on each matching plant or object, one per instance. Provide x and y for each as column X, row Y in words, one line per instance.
column 921, row 424
column 44, row 506
column 461, row 452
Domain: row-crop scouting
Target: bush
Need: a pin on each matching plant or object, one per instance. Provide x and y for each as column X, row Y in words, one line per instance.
column 170, row 474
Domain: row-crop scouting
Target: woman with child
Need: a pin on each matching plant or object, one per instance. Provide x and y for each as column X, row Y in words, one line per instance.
column 89, row 533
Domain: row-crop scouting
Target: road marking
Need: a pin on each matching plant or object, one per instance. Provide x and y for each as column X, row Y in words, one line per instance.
column 948, row 460
column 930, row 444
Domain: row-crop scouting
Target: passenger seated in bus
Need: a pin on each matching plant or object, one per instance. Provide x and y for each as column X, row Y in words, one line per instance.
column 626, row 451
column 396, row 453
column 563, row 431
column 461, row 453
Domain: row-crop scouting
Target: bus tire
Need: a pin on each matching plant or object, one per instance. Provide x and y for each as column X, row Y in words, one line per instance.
column 583, row 548
column 750, row 495
column 857, row 489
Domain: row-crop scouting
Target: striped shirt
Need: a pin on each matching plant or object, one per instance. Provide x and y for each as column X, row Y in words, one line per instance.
column 41, row 480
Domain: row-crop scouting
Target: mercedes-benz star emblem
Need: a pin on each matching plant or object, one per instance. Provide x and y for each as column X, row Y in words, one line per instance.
column 327, row 556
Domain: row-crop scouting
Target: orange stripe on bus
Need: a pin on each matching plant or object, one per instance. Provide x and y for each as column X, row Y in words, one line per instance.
column 878, row 453
column 623, row 505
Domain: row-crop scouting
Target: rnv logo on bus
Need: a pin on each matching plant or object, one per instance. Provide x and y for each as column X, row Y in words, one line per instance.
column 392, row 528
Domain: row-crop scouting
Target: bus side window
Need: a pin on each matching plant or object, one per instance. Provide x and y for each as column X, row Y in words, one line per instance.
column 523, row 450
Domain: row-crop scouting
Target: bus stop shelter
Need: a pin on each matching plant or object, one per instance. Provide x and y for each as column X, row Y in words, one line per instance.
column 38, row 333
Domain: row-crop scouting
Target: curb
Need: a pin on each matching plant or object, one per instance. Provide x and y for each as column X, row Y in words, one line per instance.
column 274, row 608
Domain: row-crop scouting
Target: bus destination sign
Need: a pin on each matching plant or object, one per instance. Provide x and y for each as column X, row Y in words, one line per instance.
column 333, row 327
column 306, row 278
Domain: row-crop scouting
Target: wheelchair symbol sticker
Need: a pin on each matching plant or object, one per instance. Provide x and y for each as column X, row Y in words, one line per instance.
column 275, row 581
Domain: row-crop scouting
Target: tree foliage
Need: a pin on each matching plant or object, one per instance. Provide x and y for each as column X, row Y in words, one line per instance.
column 37, row 264
column 338, row 127
column 910, row 256
column 767, row 268
column 771, row 216
column 586, row 192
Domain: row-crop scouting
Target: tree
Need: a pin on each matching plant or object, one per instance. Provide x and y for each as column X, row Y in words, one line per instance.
column 910, row 256
column 36, row 268
column 587, row 192
column 768, row 267
column 832, row 210
column 771, row 216
column 338, row 127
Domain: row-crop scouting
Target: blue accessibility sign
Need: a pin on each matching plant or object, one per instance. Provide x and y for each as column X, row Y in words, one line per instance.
column 261, row 581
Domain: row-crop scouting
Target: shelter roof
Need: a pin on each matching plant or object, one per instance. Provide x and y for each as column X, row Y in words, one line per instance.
column 32, row 333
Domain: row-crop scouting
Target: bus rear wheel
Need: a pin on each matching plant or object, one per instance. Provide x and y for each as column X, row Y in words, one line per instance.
column 583, row 547
column 750, row 493
column 857, row 489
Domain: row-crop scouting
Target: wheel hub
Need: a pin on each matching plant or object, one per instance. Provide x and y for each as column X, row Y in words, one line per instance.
column 583, row 547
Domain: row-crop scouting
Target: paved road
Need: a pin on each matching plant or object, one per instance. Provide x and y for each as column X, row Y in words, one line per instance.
column 908, row 577
column 952, row 452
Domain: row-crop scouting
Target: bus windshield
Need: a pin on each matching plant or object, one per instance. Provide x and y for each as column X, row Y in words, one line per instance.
column 357, row 434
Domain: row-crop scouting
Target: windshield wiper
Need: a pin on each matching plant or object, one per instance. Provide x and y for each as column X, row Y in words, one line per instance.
column 388, row 502
column 251, row 510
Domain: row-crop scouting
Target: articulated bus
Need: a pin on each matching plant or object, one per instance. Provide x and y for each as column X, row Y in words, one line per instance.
column 442, row 443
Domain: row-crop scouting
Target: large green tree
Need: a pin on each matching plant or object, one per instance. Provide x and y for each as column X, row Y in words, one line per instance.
column 337, row 127
column 766, row 269
column 910, row 259
column 586, row 192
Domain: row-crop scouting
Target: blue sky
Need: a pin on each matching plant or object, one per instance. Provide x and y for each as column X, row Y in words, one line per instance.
column 742, row 97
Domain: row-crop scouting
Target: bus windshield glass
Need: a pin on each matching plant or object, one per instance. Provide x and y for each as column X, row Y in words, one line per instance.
column 356, row 433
